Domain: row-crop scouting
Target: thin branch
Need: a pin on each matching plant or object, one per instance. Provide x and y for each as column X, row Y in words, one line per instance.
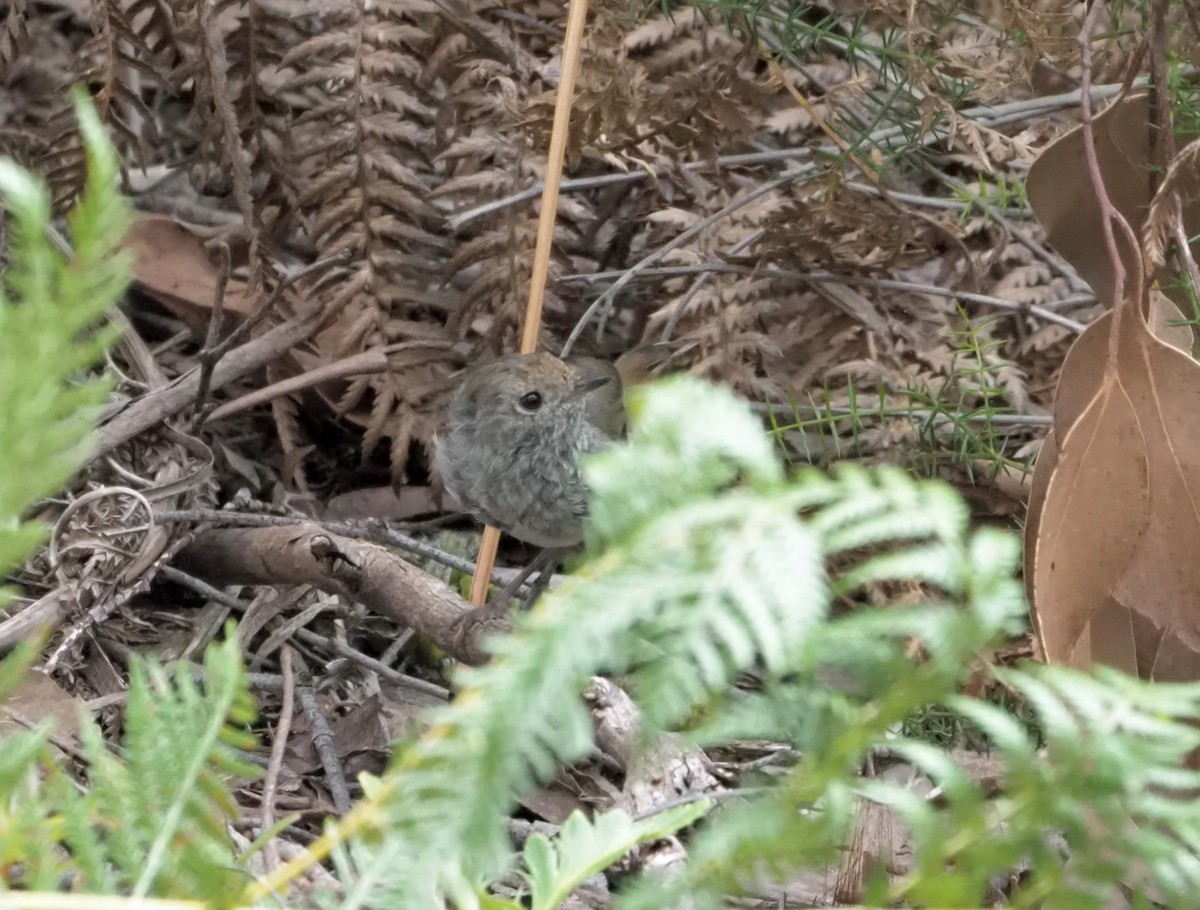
column 163, row 403
column 828, row 277
column 209, row 592
column 572, row 43
column 212, row 353
column 376, row 532
column 988, row 115
column 322, row 740
column 604, row 301
column 383, row 670
column 278, row 747
column 701, row 281
column 1108, row 212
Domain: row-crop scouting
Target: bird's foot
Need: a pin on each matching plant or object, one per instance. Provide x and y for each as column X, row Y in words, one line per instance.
column 494, row 616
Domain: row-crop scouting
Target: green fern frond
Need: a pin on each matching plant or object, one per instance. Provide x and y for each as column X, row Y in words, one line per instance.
column 154, row 821
column 1111, row 788
column 691, row 582
column 586, row 847
column 51, row 332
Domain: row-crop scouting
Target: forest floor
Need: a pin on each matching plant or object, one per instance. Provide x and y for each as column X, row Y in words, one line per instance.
column 827, row 213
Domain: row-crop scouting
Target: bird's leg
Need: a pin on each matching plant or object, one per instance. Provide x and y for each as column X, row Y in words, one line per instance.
column 542, row 582
column 495, row 612
column 545, row 561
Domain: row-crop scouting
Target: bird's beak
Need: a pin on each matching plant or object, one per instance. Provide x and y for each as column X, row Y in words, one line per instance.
column 589, row 385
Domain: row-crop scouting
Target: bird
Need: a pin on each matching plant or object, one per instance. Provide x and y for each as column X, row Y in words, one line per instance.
column 514, row 432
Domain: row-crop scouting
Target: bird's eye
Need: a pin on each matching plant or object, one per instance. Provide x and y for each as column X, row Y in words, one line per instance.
column 531, row 401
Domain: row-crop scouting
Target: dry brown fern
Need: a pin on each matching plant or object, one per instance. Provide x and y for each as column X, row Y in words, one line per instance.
column 361, row 129
column 132, row 54
column 13, row 33
column 621, row 120
column 362, row 133
column 214, row 95
column 831, row 226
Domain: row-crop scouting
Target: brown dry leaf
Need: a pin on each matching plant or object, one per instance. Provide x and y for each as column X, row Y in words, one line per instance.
column 1060, row 191
column 1115, row 511
column 1082, row 375
column 1113, row 507
column 38, row 698
column 359, row 737
column 172, row 266
column 1100, row 629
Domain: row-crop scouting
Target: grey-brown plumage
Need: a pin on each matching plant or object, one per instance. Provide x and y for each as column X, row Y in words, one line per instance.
column 513, row 436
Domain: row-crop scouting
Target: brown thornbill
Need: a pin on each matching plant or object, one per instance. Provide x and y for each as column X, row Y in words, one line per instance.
column 516, row 428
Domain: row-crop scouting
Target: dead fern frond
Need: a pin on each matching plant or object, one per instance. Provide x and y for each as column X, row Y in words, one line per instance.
column 14, row 33
column 135, row 40
column 365, row 183
column 1179, row 190
column 133, row 53
column 240, row 109
column 362, row 155
column 213, row 101
column 837, row 228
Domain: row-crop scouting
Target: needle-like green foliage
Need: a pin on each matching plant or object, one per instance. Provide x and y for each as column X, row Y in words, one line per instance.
column 151, row 821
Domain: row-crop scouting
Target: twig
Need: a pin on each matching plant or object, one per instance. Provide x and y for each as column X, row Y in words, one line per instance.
column 161, row 404
column 936, row 202
column 283, row 283
column 1155, row 42
column 1056, row 263
column 278, row 747
column 572, row 42
column 322, row 740
column 1108, row 212
column 393, row 650
column 821, row 412
column 59, row 742
column 589, row 183
column 373, row 361
column 485, row 564
column 828, row 277
column 372, row 531
column 1185, row 252
column 211, row 353
column 604, row 300
column 842, row 145
column 989, row 115
column 211, row 40
column 214, row 350
column 391, row 675
column 714, row 796
column 677, row 311
column 1165, row 133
